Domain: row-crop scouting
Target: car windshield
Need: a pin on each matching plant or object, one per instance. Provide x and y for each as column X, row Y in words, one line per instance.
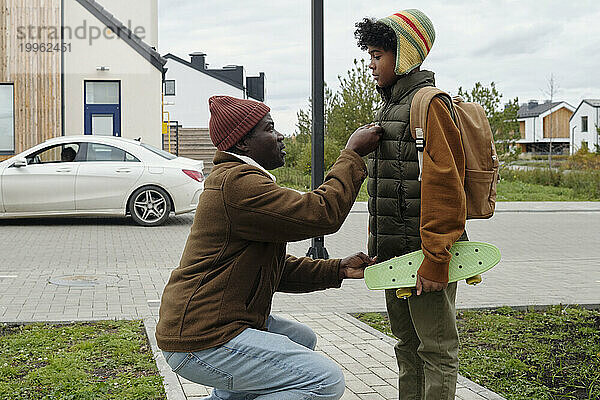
column 162, row 153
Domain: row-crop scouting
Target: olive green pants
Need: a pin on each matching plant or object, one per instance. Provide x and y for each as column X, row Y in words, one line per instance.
column 427, row 348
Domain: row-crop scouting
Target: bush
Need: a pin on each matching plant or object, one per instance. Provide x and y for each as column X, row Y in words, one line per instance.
column 304, row 161
column 537, row 176
column 583, row 160
column 545, row 157
column 585, row 184
column 291, row 177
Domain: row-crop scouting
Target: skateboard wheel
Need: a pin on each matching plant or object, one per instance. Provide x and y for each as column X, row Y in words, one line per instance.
column 474, row 280
column 403, row 293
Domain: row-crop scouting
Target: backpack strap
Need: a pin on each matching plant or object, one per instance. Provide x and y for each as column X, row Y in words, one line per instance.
column 419, row 111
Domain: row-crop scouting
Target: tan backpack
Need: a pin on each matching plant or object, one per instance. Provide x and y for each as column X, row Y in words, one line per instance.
column 481, row 160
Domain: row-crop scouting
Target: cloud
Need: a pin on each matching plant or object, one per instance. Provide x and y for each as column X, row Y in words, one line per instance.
column 520, row 39
column 513, row 43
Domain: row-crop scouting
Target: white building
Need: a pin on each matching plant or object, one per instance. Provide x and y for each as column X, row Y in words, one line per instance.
column 542, row 124
column 189, row 84
column 112, row 74
column 584, row 124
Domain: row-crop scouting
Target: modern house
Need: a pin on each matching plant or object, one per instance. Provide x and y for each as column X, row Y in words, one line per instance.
column 102, row 77
column 189, row 84
column 542, row 125
column 113, row 82
column 584, row 125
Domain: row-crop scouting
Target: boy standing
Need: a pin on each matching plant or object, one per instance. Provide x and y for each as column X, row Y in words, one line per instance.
column 408, row 214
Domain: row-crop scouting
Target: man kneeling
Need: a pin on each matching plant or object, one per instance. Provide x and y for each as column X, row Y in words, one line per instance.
column 215, row 325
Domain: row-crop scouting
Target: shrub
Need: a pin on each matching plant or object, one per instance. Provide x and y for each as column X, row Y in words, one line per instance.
column 538, row 176
column 585, row 183
column 583, row 160
column 291, row 177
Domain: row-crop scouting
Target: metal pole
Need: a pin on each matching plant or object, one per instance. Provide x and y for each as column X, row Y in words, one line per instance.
column 317, row 249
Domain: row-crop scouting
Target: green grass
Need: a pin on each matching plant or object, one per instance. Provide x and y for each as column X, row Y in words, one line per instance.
column 519, row 191
column 294, row 179
column 522, row 355
column 581, row 185
column 585, row 184
column 81, row 361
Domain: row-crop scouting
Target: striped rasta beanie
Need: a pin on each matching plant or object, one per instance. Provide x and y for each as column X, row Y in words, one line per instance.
column 415, row 34
column 231, row 119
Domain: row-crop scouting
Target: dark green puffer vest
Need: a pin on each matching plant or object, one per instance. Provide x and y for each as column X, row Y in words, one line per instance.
column 393, row 185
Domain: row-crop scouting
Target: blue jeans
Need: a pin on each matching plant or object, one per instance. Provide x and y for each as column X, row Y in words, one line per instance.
column 277, row 364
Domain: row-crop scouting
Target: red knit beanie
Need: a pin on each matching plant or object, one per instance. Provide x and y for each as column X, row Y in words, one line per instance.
column 231, row 119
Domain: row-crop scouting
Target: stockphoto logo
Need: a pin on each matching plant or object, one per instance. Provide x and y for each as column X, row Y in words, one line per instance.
column 84, row 31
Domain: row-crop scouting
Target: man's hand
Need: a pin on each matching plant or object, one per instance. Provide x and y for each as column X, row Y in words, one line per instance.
column 353, row 267
column 365, row 139
column 425, row 285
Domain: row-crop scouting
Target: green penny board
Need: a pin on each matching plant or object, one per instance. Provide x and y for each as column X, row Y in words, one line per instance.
column 468, row 259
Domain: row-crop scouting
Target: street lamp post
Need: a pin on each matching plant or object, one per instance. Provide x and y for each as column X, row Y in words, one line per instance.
column 317, row 249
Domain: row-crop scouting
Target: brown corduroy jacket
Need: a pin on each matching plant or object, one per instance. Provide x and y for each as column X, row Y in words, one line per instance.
column 235, row 256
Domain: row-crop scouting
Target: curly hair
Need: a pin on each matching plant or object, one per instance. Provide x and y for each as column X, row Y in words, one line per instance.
column 370, row 32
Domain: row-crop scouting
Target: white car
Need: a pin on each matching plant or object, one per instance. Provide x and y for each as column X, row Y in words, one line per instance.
column 99, row 175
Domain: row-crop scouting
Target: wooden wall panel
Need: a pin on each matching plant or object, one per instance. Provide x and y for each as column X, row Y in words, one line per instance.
column 36, row 75
column 558, row 121
column 522, row 129
column 194, row 143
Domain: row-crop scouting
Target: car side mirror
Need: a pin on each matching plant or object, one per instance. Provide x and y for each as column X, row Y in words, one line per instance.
column 20, row 162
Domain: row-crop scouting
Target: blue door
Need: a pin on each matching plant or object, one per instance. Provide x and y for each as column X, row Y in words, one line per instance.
column 102, row 108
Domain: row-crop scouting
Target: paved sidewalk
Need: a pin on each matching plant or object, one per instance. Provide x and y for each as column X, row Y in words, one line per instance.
column 122, row 269
column 365, row 355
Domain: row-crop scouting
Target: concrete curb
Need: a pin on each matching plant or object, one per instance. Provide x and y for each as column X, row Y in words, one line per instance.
column 474, row 387
column 171, row 383
column 534, row 307
column 360, row 207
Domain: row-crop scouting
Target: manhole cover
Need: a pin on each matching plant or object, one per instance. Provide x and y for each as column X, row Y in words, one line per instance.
column 84, row 280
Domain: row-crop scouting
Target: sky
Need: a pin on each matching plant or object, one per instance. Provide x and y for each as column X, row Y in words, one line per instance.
column 517, row 44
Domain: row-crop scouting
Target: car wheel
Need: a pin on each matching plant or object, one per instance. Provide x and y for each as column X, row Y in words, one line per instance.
column 149, row 206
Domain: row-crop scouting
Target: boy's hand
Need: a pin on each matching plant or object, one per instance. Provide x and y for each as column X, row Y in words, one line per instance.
column 353, row 267
column 365, row 139
column 425, row 285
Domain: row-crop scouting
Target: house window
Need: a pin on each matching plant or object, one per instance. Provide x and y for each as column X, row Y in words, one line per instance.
column 102, row 108
column 101, row 92
column 7, row 118
column 584, row 127
column 169, row 88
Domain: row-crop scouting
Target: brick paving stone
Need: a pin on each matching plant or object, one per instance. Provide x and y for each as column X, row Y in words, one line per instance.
column 466, row 394
column 194, row 389
column 354, row 368
column 371, row 396
column 388, row 392
column 384, row 372
column 371, row 379
column 358, row 387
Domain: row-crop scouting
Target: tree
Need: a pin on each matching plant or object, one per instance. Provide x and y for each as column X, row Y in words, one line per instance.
column 550, row 91
column 597, row 140
column 503, row 122
column 298, row 147
column 353, row 105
